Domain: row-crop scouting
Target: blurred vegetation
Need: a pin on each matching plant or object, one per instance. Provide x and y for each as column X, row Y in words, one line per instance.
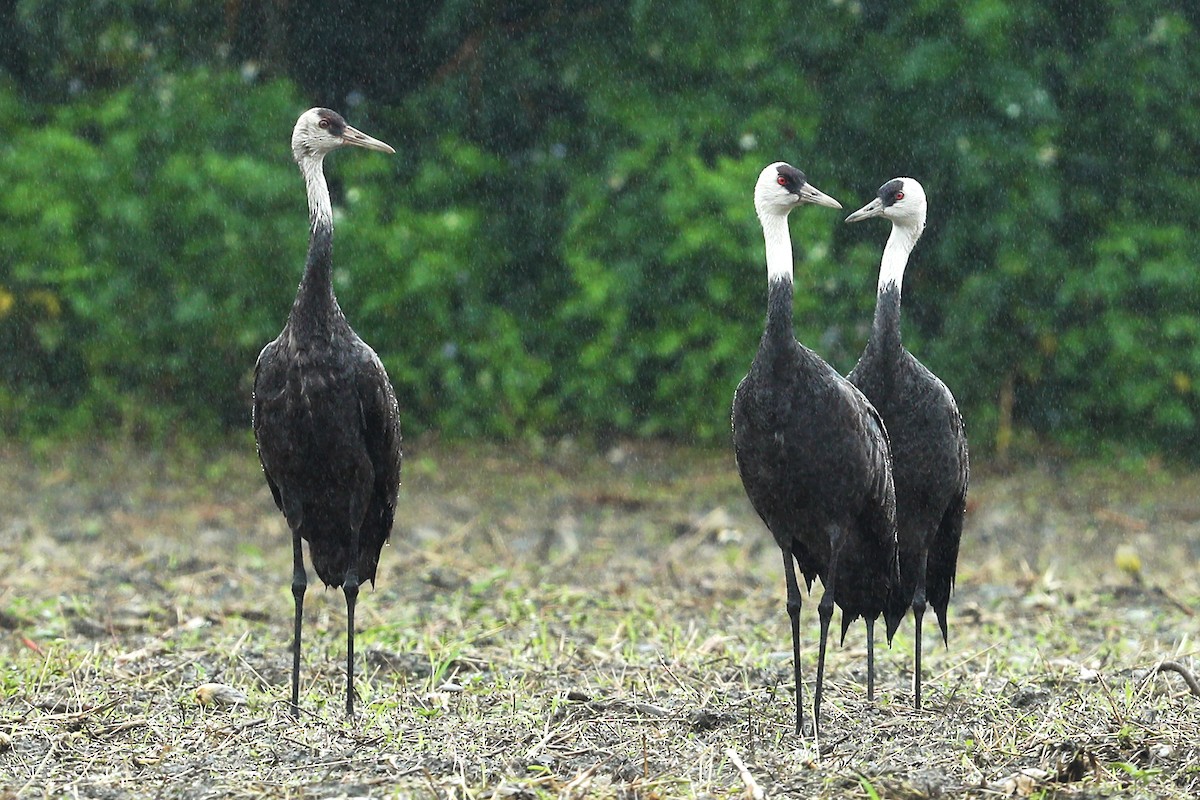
column 565, row 241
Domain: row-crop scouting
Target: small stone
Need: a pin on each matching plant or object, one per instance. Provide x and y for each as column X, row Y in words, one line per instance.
column 1158, row 751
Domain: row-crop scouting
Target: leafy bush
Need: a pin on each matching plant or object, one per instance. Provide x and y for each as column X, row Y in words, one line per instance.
column 565, row 241
column 140, row 231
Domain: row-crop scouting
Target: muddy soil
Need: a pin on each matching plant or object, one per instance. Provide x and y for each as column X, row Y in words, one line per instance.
column 561, row 621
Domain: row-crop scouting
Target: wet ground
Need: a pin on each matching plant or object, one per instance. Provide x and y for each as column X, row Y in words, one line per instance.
column 563, row 621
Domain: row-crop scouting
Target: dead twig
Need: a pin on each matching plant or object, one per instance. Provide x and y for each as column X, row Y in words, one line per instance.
column 234, row 730
column 70, row 716
column 117, row 727
column 753, row 790
column 1175, row 601
column 1188, row 677
column 965, row 661
column 577, row 786
column 533, row 752
column 36, row 776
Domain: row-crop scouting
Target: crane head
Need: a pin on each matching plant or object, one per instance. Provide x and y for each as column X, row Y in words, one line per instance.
column 902, row 200
column 781, row 187
column 320, row 131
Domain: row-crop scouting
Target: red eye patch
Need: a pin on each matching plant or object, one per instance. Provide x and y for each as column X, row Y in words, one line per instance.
column 899, row 195
column 782, row 181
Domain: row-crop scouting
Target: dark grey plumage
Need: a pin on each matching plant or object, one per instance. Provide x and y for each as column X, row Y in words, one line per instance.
column 325, row 415
column 812, row 452
column 929, row 443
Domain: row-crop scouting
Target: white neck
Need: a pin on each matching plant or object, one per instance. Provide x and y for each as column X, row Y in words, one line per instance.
column 319, row 208
column 779, row 247
column 895, row 256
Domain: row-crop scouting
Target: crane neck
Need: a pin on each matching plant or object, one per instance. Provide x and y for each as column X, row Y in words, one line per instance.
column 884, row 346
column 899, row 246
column 315, row 298
column 319, row 206
column 780, row 279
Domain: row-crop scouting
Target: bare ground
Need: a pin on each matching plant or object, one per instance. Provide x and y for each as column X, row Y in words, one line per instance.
column 557, row 622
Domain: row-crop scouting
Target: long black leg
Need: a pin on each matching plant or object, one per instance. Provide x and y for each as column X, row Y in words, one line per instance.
column 918, row 607
column 870, row 658
column 793, row 610
column 299, row 585
column 350, row 588
column 825, row 612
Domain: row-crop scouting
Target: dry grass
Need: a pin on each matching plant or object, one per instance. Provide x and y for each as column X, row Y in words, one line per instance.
column 564, row 624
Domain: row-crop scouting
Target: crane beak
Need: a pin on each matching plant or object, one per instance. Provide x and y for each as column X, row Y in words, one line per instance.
column 811, row 194
column 359, row 139
column 871, row 209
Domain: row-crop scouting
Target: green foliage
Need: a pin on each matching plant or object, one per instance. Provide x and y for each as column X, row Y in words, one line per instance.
column 565, row 241
column 421, row 272
column 136, row 293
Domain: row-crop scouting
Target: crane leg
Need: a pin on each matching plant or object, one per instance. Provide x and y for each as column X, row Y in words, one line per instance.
column 793, row 610
column 299, row 585
column 870, row 658
column 825, row 613
column 350, row 588
column 918, row 607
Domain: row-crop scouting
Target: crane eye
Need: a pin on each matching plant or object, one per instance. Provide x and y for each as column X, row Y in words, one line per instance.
column 899, row 195
column 324, row 123
column 781, row 180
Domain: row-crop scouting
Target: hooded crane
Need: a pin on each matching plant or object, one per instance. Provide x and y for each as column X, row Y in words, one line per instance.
column 325, row 415
column 812, row 452
column 929, row 444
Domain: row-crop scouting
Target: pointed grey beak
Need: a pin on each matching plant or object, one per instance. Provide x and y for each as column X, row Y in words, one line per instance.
column 359, row 139
column 871, row 209
column 811, row 194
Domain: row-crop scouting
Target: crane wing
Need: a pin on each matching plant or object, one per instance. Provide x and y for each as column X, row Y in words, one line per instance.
column 943, row 551
column 380, row 418
column 881, row 490
column 262, row 381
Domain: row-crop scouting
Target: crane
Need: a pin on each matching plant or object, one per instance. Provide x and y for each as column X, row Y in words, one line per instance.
column 929, row 443
column 812, row 452
column 326, row 419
